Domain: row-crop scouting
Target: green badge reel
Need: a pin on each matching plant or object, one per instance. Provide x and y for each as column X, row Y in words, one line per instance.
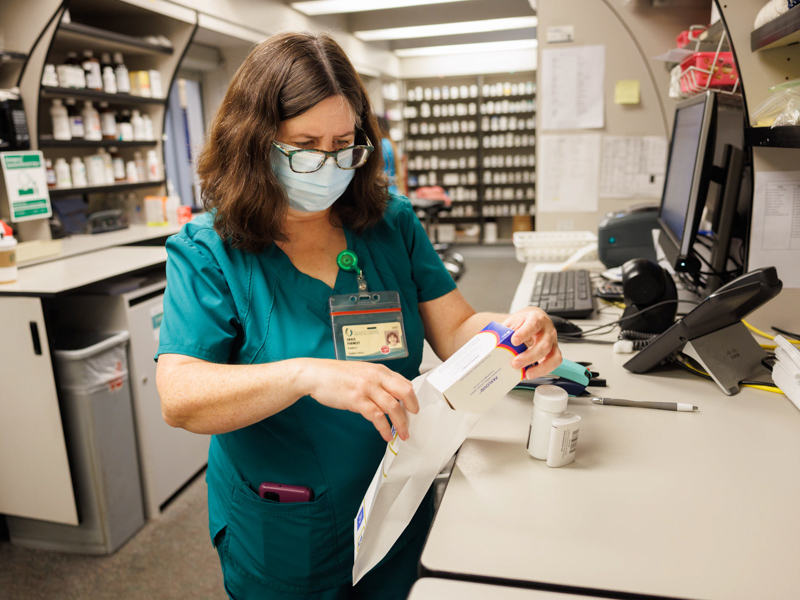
column 367, row 326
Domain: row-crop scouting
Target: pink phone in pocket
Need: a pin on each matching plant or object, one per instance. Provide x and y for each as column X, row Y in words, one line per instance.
column 279, row 492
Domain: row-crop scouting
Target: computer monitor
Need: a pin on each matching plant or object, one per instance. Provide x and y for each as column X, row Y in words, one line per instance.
column 689, row 173
column 705, row 171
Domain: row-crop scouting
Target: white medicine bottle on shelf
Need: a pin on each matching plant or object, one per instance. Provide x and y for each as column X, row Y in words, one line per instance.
column 76, row 128
column 91, row 122
column 124, row 126
column 78, row 170
column 63, row 175
column 141, row 166
column 121, row 73
column 109, row 81
column 153, row 166
column 118, row 164
column 58, row 113
column 91, row 67
column 549, row 402
column 138, row 125
column 108, row 122
column 149, row 132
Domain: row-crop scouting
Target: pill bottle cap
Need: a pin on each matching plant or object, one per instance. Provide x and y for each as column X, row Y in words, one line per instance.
column 550, row 398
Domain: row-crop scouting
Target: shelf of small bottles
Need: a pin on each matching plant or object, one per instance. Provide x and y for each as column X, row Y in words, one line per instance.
column 99, row 189
column 87, row 94
column 79, row 143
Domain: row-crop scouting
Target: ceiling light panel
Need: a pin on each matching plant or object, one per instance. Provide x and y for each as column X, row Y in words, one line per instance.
column 421, row 31
column 479, row 48
column 332, row 7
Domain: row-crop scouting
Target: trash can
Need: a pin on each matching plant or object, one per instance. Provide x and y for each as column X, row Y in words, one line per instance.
column 97, row 414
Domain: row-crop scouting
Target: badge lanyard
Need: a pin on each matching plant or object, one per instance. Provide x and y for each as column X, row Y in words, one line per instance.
column 366, row 325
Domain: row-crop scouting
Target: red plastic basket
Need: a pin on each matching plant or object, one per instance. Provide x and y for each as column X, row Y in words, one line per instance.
column 700, row 71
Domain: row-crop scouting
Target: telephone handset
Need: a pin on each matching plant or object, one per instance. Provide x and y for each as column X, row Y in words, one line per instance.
column 727, row 306
column 14, row 134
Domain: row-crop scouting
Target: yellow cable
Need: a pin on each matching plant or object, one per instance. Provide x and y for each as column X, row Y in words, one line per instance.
column 766, row 335
column 768, row 346
column 765, row 388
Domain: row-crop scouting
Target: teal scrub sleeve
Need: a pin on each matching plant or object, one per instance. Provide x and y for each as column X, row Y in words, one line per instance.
column 200, row 316
column 432, row 278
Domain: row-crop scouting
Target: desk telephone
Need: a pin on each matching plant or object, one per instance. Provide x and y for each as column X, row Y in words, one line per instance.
column 714, row 333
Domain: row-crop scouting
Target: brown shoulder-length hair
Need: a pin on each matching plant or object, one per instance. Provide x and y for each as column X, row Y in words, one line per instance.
column 282, row 78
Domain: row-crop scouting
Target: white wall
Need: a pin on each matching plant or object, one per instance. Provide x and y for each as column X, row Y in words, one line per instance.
column 419, row 67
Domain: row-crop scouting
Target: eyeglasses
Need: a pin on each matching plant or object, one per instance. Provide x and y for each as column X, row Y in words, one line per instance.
column 308, row 161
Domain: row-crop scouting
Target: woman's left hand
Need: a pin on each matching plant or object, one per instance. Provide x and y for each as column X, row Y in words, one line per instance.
column 534, row 328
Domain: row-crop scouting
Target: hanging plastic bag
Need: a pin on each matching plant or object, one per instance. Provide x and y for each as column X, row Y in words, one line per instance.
column 782, row 106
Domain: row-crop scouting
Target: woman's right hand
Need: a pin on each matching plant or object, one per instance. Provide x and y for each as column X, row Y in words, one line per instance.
column 372, row 390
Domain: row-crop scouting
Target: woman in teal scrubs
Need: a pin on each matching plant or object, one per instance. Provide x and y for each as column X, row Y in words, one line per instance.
column 246, row 353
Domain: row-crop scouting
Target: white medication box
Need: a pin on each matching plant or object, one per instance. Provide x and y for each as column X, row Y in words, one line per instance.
column 480, row 372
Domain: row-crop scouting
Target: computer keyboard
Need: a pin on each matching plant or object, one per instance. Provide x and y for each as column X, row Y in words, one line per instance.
column 565, row 294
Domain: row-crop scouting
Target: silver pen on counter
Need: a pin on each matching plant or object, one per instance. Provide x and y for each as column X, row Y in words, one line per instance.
column 679, row 406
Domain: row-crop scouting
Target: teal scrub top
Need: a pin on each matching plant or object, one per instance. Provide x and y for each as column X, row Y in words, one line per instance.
column 228, row 306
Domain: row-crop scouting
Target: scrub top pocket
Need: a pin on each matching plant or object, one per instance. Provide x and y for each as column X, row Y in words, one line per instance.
column 286, row 546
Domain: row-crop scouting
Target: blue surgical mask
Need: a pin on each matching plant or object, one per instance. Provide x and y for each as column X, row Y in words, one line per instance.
column 310, row 192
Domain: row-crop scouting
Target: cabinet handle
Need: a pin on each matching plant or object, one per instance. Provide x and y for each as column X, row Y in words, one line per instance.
column 37, row 344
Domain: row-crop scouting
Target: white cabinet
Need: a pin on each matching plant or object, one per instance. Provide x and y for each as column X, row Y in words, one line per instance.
column 35, row 479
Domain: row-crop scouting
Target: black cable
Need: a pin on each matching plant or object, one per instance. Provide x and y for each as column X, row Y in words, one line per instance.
column 785, row 333
column 618, row 321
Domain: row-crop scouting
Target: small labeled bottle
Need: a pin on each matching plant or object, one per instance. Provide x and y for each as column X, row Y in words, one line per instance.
column 109, row 81
column 108, row 166
column 549, row 403
column 124, row 126
column 108, row 122
column 121, row 73
column 78, row 170
column 91, row 67
column 141, row 166
column 75, row 119
column 91, row 122
column 105, row 61
column 63, row 174
column 153, row 166
column 50, row 76
column 77, row 74
column 52, row 182
column 95, row 174
column 118, row 165
column 60, row 118
column 149, row 131
column 138, row 125
column 131, row 172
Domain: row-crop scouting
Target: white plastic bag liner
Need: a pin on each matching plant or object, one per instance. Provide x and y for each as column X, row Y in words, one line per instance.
column 90, row 361
column 406, row 473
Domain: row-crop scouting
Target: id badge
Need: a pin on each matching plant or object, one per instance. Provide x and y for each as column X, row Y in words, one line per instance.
column 368, row 326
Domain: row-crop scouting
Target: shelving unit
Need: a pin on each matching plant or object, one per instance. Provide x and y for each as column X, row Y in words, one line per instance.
column 95, row 95
column 10, row 66
column 479, row 146
column 783, row 31
column 786, row 136
column 107, row 41
column 78, row 143
column 101, row 189
column 110, row 26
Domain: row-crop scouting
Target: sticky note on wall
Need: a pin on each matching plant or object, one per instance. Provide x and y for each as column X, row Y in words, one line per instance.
column 627, row 92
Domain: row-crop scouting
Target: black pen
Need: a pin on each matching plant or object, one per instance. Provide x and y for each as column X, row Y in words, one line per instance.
column 679, row 406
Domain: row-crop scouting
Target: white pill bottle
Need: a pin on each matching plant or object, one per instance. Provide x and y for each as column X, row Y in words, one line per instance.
column 549, row 403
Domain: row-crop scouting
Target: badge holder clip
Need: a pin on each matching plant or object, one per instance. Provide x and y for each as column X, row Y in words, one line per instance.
column 367, row 326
